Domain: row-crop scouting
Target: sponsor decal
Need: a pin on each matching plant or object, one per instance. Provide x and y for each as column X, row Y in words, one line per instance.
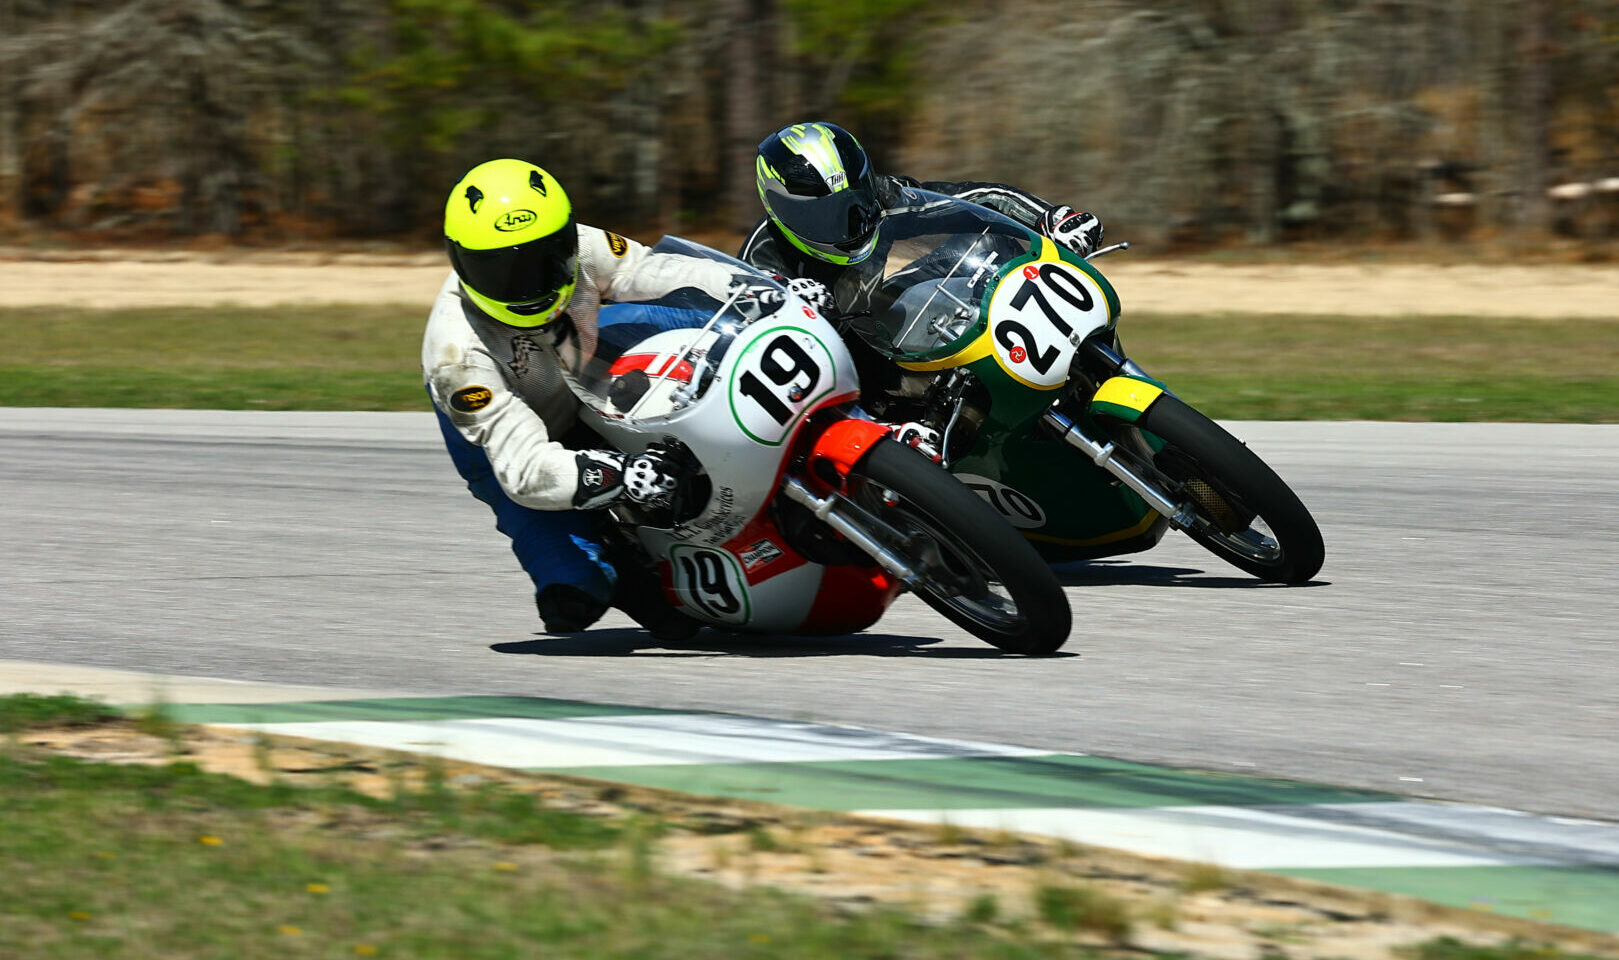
column 617, row 244
column 471, row 399
column 474, row 197
column 988, row 266
column 720, row 526
column 809, row 313
column 759, row 554
column 1030, row 272
column 536, row 181
column 514, row 220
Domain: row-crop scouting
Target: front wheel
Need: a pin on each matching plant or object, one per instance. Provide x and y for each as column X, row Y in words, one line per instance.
column 972, row 566
column 1245, row 513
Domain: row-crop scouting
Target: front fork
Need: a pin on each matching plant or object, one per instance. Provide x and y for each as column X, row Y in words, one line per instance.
column 836, row 511
column 828, row 461
column 1180, row 515
column 1126, row 394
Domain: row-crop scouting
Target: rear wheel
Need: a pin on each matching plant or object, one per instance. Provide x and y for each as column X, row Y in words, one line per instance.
column 1246, row 514
column 972, row 566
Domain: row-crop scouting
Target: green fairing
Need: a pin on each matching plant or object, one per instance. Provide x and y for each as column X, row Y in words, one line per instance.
column 1086, row 514
column 1081, row 505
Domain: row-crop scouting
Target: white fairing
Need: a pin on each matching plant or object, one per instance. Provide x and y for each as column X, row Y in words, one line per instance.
column 733, row 390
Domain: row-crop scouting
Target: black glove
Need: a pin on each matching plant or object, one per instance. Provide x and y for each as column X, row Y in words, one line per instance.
column 1078, row 231
column 756, row 299
column 646, row 478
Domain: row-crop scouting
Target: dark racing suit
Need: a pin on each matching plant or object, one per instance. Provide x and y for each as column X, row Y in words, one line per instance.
column 770, row 251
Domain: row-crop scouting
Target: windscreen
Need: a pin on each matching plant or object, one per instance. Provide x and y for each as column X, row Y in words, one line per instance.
column 652, row 358
column 924, row 286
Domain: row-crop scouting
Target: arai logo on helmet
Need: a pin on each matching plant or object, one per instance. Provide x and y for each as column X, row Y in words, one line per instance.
column 514, row 220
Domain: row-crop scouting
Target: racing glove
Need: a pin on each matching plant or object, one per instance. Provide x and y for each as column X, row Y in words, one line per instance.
column 1078, row 231
column 812, row 292
column 922, row 437
column 649, row 478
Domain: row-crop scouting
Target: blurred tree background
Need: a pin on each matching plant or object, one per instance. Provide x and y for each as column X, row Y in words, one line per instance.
column 1183, row 122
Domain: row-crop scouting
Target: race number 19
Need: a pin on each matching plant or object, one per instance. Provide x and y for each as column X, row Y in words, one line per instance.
column 711, row 582
column 779, row 375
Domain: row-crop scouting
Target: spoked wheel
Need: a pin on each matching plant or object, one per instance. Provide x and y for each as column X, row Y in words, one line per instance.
column 972, row 566
column 1246, row 514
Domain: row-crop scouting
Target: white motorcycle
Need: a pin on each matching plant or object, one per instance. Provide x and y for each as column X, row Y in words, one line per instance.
column 798, row 514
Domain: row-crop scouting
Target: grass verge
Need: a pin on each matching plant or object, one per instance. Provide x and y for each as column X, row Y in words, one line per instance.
column 109, row 861
column 140, row 861
column 23, row 711
column 1229, row 366
column 336, row 851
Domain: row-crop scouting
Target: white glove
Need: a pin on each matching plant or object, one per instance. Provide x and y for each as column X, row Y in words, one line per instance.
column 607, row 475
column 812, row 292
column 1078, row 231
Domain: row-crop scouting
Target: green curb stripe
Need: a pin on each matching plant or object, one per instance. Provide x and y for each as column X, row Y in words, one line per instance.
column 961, row 783
column 1578, row 896
column 928, row 786
column 400, row 708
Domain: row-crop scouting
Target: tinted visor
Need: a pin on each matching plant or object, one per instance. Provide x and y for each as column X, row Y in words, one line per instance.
column 527, row 273
column 848, row 216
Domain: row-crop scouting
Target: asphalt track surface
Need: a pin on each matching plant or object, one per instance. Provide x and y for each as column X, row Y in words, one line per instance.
column 1462, row 641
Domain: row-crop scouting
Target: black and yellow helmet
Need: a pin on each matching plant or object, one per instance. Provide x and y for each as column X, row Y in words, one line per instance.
column 509, row 230
column 817, row 184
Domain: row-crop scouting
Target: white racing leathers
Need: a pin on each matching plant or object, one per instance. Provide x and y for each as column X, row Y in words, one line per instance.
column 501, row 386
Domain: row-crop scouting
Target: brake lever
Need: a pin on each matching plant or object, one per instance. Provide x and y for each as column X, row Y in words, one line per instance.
column 1125, row 245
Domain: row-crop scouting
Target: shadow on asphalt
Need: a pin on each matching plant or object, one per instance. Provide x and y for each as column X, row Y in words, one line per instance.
column 710, row 643
column 1121, row 573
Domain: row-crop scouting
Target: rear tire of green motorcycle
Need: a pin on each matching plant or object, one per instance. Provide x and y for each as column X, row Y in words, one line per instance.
column 1238, row 483
column 976, row 547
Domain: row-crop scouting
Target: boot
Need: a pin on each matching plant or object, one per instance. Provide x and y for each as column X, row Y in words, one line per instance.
column 567, row 609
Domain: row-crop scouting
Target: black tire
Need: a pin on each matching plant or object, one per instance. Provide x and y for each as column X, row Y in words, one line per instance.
column 977, row 570
column 1236, row 496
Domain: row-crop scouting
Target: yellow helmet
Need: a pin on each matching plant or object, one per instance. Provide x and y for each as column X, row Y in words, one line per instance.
column 509, row 230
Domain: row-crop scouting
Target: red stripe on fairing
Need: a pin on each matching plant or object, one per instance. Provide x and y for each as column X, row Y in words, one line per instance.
column 643, row 361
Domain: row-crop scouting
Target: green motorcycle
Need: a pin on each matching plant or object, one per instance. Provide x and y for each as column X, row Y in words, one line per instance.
column 1007, row 345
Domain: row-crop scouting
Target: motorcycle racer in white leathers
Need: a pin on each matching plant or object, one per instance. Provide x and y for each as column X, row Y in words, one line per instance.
column 526, row 278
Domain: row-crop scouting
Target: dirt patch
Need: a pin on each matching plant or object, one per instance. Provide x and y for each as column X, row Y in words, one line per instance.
column 855, row 862
column 110, row 279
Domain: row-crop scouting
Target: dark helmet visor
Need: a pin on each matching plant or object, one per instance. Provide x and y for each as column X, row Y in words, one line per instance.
column 842, row 217
column 522, row 274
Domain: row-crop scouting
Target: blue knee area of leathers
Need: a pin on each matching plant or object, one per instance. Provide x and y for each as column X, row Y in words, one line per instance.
column 553, row 546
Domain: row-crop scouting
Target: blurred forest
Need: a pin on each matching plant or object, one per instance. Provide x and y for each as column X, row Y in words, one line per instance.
column 1184, row 122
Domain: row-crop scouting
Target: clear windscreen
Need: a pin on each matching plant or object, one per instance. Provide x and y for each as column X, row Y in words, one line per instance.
column 924, row 286
column 652, row 358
